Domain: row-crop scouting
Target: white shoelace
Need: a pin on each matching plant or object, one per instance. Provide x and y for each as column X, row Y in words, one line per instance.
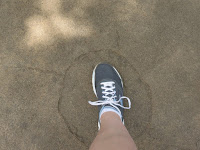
column 108, row 89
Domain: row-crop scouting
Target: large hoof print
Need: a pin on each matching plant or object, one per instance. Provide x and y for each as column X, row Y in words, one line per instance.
column 81, row 118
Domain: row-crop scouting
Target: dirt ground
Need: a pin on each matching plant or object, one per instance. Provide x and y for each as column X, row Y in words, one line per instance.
column 48, row 49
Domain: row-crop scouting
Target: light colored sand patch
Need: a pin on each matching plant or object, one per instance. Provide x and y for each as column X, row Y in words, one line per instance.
column 45, row 29
column 39, row 30
column 68, row 27
column 50, row 6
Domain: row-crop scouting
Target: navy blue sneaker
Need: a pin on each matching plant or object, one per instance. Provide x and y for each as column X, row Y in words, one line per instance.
column 108, row 88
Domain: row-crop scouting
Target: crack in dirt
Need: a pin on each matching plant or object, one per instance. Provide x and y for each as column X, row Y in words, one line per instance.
column 63, row 86
column 38, row 70
column 118, row 40
column 198, row 144
column 78, row 137
column 45, row 71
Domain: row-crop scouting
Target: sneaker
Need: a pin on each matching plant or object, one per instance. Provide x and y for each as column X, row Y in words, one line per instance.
column 108, row 88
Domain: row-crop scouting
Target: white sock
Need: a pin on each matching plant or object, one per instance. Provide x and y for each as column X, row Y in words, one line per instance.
column 108, row 108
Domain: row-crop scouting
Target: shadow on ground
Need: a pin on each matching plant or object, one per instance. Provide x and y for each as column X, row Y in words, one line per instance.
column 49, row 48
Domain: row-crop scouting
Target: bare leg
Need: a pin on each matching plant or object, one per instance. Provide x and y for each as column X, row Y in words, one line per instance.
column 113, row 135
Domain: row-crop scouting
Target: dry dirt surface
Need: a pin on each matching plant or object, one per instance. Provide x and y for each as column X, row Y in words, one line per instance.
column 48, row 49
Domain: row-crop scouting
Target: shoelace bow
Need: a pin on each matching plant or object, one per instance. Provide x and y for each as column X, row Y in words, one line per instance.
column 109, row 89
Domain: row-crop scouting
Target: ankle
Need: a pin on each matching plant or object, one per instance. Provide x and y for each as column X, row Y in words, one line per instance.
column 111, row 122
column 109, row 115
